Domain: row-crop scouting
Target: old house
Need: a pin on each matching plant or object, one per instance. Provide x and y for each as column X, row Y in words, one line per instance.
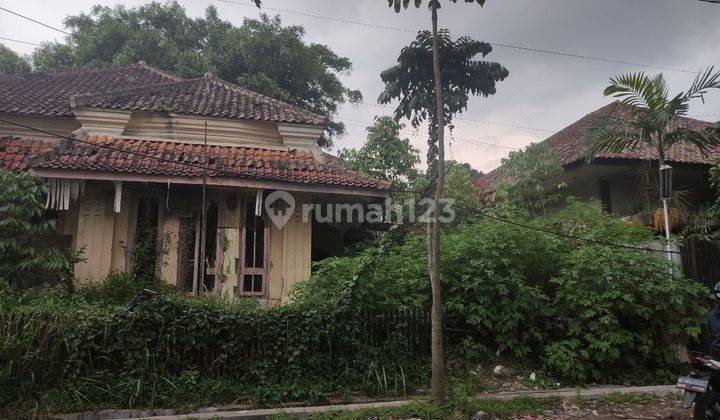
column 625, row 182
column 131, row 154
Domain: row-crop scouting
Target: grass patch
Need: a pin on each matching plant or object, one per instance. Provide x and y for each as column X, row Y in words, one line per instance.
column 460, row 409
column 618, row 398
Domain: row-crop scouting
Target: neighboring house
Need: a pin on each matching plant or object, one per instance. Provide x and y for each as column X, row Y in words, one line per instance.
column 138, row 166
column 621, row 180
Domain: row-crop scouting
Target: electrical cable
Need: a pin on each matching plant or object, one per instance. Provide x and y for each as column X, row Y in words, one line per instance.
column 20, row 42
column 564, row 235
column 481, row 213
column 497, row 44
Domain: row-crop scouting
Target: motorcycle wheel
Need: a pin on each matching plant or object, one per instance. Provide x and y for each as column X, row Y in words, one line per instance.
column 707, row 406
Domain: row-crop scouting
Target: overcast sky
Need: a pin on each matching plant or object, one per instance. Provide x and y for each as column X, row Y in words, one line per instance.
column 543, row 91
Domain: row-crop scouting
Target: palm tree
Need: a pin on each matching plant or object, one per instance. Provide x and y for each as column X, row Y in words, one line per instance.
column 438, row 363
column 651, row 117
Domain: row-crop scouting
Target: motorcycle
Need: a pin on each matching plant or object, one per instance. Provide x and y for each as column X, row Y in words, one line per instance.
column 702, row 387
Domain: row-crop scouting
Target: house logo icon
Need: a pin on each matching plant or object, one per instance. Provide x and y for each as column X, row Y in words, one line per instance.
column 280, row 206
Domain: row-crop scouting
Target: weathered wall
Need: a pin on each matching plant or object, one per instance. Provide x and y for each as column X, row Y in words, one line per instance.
column 276, row 283
column 106, row 237
column 63, row 126
column 220, row 131
column 169, row 256
column 95, row 233
column 297, row 240
column 121, row 230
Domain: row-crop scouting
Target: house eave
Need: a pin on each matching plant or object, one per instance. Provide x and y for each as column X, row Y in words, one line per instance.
column 630, row 162
column 211, row 181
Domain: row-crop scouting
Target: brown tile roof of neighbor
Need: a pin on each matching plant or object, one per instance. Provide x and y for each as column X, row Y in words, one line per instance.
column 120, row 155
column 48, row 94
column 570, row 143
column 143, row 88
column 208, row 96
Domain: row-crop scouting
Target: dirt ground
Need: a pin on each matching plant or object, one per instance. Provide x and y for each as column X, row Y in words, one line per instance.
column 651, row 408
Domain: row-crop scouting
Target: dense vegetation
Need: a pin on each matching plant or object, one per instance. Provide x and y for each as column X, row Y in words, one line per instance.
column 574, row 310
column 585, row 311
column 72, row 352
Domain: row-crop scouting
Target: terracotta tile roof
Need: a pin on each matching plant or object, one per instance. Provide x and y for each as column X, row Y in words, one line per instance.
column 140, row 87
column 570, row 144
column 209, row 96
column 48, row 94
column 186, row 160
column 14, row 152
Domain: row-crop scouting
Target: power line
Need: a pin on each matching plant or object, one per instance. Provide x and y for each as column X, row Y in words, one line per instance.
column 497, row 44
column 20, row 42
column 35, row 21
column 564, row 235
column 478, row 212
column 501, row 124
column 365, row 124
column 56, row 29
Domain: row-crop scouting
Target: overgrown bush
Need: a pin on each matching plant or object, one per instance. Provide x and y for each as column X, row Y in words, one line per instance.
column 399, row 281
column 26, row 259
column 587, row 311
column 620, row 315
column 119, row 287
column 495, row 278
column 67, row 354
column 33, row 325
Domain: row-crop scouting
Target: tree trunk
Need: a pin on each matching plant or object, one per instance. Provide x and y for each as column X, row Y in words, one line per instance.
column 438, row 356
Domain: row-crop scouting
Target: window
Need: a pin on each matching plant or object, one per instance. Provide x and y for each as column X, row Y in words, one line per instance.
column 255, row 233
column 605, row 195
column 145, row 246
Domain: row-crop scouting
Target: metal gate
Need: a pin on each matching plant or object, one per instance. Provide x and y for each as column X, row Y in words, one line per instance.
column 701, row 260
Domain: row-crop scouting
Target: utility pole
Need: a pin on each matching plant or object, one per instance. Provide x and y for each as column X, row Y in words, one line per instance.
column 666, row 173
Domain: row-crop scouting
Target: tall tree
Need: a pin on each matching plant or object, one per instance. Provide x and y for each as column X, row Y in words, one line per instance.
column 11, row 62
column 260, row 54
column 444, row 96
column 385, row 154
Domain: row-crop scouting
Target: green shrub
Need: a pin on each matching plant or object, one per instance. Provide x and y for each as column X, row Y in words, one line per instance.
column 619, row 314
column 398, row 281
column 26, row 260
column 495, row 279
column 69, row 354
column 540, row 297
column 118, row 288
column 32, row 327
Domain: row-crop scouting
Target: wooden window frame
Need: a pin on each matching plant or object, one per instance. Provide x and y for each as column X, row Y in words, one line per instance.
column 244, row 270
column 132, row 230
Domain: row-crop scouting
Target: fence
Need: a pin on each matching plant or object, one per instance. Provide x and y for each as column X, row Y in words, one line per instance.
column 412, row 328
column 701, row 260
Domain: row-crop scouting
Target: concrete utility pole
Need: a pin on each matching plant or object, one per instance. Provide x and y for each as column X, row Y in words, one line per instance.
column 666, row 173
